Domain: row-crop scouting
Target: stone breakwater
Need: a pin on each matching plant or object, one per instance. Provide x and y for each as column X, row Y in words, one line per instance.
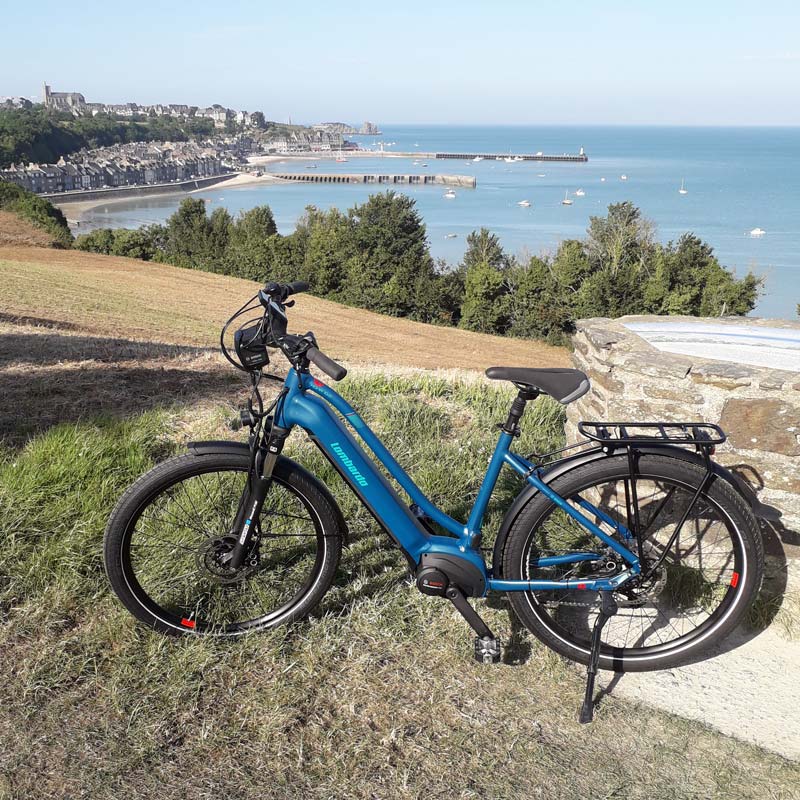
column 758, row 407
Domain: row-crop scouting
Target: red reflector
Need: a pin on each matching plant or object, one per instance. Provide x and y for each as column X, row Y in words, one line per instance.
column 735, row 579
column 188, row 623
column 581, row 585
column 318, row 383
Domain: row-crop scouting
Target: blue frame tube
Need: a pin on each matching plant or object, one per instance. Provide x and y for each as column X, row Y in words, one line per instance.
column 300, row 407
column 553, row 497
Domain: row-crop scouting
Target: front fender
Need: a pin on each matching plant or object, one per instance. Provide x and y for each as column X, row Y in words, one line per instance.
column 559, row 468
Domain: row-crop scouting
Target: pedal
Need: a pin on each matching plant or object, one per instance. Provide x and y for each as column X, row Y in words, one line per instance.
column 487, row 650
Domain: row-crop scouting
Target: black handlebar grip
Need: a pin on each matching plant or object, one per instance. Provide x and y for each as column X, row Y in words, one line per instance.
column 296, row 286
column 327, row 365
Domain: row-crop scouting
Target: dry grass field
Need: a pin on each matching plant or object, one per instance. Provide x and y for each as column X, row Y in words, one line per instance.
column 124, row 298
column 15, row 231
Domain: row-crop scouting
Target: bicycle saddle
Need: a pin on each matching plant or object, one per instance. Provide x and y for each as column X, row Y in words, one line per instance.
column 565, row 385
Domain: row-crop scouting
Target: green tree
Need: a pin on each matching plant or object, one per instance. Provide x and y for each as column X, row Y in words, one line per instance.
column 687, row 278
column 540, row 305
column 392, row 269
column 483, row 247
column 250, row 252
column 220, row 225
column 329, row 245
column 487, row 305
column 100, row 240
column 146, row 243
column 188, row 241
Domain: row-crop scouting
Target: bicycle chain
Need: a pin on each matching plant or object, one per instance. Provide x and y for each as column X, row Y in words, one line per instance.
column 562, row 603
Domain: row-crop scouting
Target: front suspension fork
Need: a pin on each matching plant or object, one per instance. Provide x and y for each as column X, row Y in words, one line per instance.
column 258, row 484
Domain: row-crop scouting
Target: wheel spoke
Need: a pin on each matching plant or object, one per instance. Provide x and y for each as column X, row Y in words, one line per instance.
column 179, row 548
column 685, row 591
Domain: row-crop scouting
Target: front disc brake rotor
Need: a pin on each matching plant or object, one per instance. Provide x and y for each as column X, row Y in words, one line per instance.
column 214, row 556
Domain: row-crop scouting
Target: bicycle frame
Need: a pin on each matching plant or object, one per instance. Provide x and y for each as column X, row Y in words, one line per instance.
column 314, row 414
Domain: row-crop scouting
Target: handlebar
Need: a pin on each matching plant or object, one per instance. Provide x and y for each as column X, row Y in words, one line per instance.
column 326, row 364
column 252, row 342
column 280, row 291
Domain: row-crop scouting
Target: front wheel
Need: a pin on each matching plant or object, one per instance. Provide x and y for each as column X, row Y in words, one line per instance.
column 706, row 582
column 169, row 541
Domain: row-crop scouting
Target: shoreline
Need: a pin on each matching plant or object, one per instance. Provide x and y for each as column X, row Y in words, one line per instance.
column 79, row 208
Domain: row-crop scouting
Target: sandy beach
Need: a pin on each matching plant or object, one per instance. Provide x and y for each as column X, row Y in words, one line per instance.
column 75, row 209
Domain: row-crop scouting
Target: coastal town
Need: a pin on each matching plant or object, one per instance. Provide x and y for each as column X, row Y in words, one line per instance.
column 237, row 135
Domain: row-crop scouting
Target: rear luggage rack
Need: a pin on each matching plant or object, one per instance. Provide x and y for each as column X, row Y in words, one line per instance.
column 613, row 434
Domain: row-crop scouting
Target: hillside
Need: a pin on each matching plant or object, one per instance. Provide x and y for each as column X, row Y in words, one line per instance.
column 114, row 365
column 16, row 231
column 121, row 297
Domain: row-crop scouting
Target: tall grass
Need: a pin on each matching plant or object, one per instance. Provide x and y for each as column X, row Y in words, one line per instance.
column 376, row 696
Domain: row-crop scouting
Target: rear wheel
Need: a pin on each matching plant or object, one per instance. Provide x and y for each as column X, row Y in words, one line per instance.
column 705, row 584
column 168, row 544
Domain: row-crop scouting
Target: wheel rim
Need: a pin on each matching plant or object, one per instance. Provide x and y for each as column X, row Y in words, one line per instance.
column 704, row 571
column 174, row 548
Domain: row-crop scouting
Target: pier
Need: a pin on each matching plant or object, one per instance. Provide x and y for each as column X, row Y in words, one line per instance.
column 464, row 181
column 574, row 157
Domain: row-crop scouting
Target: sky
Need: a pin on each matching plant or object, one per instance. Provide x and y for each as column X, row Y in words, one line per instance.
column 506, row 62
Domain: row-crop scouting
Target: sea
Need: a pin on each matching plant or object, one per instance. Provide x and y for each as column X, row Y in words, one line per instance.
column 736, row 180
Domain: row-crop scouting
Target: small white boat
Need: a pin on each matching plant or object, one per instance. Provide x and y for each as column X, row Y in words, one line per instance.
column 450, row 195
column 683, row 189
column 580, row 193
column 311, row 166
column 416, row 144
column 423, row 165
column 517, row 158
column 539, row 153
column 508, row 160
column 499, row 158
column 566, row 201
column 450, row 235
column 524, row 203
column 757, row 233
column 602, row 180
column 541, row 175
column 623, row 177
column 477, row 158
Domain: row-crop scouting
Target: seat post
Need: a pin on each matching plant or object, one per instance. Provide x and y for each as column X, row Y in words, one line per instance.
column 511, row 425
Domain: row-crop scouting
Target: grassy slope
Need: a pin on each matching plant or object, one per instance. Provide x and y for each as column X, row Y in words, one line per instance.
column 123, row 297
column 376, row 697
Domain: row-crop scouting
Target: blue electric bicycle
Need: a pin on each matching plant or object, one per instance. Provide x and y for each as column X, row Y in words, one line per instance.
column 630, row 550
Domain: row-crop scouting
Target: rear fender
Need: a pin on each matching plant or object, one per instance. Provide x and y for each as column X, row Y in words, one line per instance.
column 212, row 447
column 559, row 468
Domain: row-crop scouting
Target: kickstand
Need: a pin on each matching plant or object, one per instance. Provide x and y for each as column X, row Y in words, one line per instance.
column 608, row 607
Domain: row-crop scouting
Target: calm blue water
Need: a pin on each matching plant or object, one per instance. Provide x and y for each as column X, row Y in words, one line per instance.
column 737, row 180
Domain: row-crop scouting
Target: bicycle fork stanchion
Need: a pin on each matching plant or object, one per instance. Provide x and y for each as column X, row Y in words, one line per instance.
column 608, row 607
column 248, row 517
column 487, row 647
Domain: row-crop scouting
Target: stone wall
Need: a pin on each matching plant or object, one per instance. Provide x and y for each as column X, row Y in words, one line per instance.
column 758, row 407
